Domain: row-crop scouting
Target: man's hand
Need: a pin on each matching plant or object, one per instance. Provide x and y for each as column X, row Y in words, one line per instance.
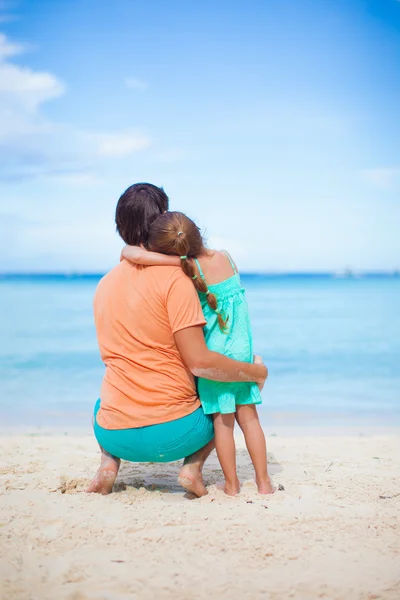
column 259, row 361
column 204, row 363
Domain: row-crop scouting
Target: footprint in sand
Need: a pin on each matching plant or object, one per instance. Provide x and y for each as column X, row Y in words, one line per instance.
column 72, row 486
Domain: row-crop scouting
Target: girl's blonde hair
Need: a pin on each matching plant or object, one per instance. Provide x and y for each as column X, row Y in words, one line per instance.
column 175, row 233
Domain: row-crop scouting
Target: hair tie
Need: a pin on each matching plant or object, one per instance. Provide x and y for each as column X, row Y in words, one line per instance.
column 180, row 232
column 207, row 292
column 217, row 311
column 194, row 277
column 183, row 257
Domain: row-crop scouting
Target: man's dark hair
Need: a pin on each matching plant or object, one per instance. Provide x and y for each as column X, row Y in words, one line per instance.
column 137, row 208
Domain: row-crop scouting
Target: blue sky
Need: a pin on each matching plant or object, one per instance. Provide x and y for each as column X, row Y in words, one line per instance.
column 273, row 123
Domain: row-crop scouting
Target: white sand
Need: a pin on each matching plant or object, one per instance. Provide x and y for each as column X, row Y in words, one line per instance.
column 330, row 534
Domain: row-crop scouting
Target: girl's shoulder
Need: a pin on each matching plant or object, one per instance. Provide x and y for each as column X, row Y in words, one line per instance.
column 230, row 259
column 217, row 266
column 218, row 257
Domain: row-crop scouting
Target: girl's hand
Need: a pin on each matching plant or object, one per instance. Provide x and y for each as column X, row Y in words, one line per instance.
column 140, row 256
column 134, row 254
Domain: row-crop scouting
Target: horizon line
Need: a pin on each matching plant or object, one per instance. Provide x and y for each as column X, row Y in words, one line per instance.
column 345, row 273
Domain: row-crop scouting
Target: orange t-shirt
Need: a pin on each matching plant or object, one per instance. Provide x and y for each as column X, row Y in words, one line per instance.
column 137, row 310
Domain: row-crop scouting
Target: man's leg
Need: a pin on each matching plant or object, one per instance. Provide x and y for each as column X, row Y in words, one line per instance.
column 190, row 475
column 105, row 477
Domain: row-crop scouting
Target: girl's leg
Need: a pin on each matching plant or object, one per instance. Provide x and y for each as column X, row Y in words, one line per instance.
column 226, row 451
column 247, row 417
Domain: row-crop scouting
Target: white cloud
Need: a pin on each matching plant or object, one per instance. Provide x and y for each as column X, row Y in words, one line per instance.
column 135, row 84
column 31, row 146
column 24, row 133
column 22, row 91
column 123, row 143
column 382, row 177
column 27, row 89
column 8, row 49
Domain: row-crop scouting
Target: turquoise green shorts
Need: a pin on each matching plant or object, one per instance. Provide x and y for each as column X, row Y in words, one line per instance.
column 165, row 442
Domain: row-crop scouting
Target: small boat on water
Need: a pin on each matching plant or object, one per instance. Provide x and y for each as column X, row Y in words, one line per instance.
column 347, row 274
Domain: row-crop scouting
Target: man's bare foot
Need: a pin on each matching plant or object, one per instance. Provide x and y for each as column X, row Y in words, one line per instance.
column 190, row 475
column 265, row 487
column 230, row 489
column 191, row 479
column 105, row 477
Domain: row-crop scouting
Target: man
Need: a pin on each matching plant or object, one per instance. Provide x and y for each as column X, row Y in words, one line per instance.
column 150, row 332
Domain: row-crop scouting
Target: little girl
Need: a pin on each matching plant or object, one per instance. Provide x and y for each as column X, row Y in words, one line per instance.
column 228, row 332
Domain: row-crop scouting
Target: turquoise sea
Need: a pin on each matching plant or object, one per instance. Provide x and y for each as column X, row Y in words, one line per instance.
column 332, row 347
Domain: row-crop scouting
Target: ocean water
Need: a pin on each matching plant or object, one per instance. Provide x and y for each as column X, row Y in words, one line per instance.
column 332, row 347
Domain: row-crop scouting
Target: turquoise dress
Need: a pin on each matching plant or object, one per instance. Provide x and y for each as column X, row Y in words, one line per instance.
column 237, row 343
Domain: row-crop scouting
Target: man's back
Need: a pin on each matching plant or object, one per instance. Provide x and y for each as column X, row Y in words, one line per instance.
column 137, row 311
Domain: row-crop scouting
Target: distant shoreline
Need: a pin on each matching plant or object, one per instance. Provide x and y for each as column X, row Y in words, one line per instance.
column 249, row 275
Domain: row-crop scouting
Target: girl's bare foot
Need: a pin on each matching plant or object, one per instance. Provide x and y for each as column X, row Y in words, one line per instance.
column 265, row 487
column 230, row 489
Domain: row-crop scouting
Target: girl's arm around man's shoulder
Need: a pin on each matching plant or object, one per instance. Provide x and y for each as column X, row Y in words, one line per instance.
column 140, row 256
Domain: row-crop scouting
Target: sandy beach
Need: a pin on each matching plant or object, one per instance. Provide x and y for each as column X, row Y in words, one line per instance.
column 332, row 533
